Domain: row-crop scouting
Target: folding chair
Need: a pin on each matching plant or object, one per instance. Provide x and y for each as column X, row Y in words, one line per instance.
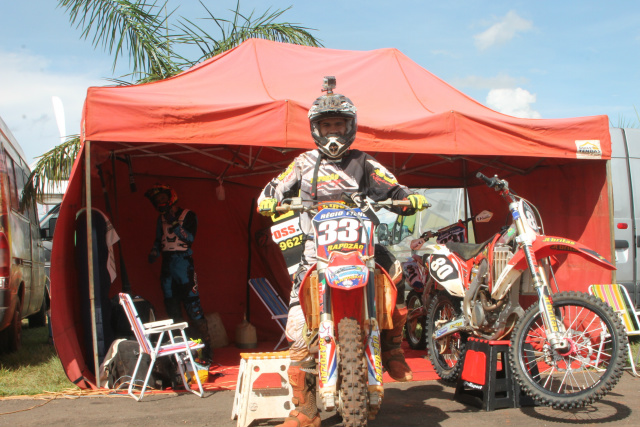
column 618, row 298
column 273, row 302
column 176, row 347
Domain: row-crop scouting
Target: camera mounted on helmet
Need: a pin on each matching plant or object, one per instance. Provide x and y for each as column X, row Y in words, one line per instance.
column 162, row 197
column 333, row 140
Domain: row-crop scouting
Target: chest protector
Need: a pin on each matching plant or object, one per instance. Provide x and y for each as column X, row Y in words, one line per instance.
column 170, row 242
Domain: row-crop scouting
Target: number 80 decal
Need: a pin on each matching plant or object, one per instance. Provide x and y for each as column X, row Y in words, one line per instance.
column 442, row 268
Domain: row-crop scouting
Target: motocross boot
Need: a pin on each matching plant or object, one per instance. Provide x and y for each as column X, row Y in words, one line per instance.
column 202, row 328
column 392, row 355
column 305, row 413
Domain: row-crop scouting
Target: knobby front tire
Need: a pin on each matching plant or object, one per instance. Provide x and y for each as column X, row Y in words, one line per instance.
column 588, row 370
column 352, row 374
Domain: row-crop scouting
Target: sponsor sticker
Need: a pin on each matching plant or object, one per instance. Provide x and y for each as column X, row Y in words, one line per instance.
column 588, row 149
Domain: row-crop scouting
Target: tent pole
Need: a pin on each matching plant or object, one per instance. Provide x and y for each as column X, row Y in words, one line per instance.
column 92, row 301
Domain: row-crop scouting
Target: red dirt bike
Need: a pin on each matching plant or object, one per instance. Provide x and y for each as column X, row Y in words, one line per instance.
column 348, row 289
column 556, row 344
column 416, row 275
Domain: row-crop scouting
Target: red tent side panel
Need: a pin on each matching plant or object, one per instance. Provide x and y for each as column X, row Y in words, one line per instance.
column 574, row 204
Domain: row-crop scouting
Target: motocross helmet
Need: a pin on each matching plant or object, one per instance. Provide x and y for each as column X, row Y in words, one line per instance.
column 162, row 197
column 329, row 106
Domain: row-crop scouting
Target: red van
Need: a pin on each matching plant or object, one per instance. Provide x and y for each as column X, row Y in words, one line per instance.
column 22, row 278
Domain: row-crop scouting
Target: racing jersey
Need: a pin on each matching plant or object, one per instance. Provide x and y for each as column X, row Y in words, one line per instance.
column 356, row 171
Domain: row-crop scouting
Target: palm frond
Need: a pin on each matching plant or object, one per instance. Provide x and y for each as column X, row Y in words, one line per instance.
column 241, row 28
column 52, row 168
column 134, row 24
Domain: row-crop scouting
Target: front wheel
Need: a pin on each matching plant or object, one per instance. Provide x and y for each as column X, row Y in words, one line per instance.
column 415, row 328
column 587, row 370
column 446, row 353
column 352, row 374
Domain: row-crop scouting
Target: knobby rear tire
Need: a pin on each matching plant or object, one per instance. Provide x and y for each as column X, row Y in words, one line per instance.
column 415, row 329
column 447, row 365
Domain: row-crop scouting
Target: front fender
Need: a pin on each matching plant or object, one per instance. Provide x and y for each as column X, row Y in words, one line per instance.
column 545, row 246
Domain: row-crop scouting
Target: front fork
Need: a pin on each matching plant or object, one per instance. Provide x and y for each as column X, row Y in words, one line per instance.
column 554, row 329
column 328, row 354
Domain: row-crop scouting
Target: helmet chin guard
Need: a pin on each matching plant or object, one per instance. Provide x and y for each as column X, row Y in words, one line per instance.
column 333, row 106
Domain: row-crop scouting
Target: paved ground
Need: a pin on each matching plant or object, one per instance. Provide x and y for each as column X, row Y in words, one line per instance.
column 427, row 403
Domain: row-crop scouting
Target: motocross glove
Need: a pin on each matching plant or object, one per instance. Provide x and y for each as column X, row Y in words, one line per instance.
column 153, row 255
column 267, row 207
column 418, row 201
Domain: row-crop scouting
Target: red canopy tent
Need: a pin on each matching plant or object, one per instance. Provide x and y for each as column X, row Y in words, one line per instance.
column 238, row 119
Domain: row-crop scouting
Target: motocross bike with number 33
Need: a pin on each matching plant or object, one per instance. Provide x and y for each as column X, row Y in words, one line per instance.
column 347, row 299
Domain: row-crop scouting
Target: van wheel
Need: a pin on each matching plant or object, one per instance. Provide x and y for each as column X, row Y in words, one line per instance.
column 14, row 331
column 39, row 319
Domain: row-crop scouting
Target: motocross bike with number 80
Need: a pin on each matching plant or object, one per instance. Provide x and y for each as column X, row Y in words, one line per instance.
column 416, row 274
column 567, row 349
column 347, row 299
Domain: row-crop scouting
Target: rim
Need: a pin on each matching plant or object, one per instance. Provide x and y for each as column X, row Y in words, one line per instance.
column 582, row 366
column 448, row 348
column 415, row 329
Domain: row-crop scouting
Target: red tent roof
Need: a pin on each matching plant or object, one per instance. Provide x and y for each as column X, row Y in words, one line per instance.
column 259, row 94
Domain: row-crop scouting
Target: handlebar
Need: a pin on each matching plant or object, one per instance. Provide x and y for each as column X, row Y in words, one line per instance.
column 494, row 182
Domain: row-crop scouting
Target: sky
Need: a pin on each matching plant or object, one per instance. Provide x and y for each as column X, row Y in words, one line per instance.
column 533, row 59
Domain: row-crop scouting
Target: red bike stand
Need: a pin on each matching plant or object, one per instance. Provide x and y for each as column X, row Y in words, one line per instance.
column 486, row 380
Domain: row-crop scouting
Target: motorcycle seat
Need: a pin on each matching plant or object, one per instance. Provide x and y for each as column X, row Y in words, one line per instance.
column 466, row 251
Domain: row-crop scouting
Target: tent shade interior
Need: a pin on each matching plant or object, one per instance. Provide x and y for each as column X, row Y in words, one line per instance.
column 232, row 123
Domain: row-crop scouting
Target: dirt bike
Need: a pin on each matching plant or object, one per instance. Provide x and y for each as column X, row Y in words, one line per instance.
column 416, row 275
column 567, row 349
column 348, row 289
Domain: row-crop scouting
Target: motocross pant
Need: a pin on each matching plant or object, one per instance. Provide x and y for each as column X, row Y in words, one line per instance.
column 180, row 288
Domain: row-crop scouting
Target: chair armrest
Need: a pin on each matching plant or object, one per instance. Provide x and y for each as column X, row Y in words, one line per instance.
column 171, row 327
column 158, row 323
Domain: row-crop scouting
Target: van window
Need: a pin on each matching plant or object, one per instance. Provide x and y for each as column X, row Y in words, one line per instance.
column 13, row 191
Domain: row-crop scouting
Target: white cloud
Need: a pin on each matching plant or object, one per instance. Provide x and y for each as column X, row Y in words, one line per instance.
column 513, row 102
column 502, row 31
column 26, row 87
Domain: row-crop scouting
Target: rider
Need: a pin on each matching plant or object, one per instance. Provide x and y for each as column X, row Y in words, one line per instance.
column 175, row 231
column 324, row 174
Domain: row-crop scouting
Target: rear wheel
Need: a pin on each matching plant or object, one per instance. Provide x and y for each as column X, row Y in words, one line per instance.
column 352, row 374
column 445, row 354
column 415, row 328
column 14, row 331
column 583, row 373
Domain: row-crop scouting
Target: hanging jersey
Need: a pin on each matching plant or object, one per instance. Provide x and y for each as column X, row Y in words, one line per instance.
column 170, row 241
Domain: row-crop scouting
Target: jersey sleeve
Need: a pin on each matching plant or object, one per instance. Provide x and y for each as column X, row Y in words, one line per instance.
column 287, row 182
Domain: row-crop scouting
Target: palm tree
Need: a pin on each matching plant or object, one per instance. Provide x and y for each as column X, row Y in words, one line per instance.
column 154, row 43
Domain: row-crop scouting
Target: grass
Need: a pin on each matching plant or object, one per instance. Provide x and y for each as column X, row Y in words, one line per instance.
column 33, row 369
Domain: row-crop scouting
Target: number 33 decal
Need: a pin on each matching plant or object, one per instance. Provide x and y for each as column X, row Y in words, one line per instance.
column 344, row 230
